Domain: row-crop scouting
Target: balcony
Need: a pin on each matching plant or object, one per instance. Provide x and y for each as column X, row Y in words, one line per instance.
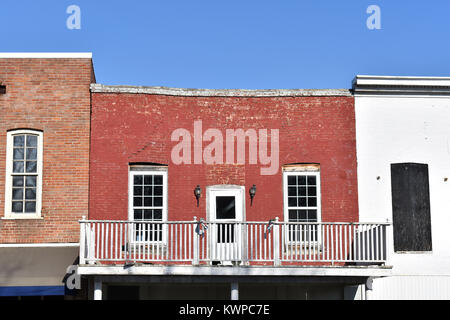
column 234, row 244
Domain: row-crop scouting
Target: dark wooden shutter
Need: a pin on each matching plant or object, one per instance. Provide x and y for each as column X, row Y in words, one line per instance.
column 411, row 207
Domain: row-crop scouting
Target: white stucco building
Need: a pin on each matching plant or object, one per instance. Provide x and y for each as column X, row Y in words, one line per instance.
column 403, row 150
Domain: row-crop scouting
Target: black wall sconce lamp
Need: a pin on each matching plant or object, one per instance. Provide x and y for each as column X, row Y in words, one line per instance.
column 197, row 193
column 252, row 192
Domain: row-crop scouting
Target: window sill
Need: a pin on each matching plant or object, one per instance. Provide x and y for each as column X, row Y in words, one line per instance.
column 23, row 217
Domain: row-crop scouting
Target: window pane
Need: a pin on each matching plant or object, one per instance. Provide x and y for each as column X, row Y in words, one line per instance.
column 17, row 194
column 17, row 206
column 225, row 208
column 138, row 180
column 292, row 180
column 31, row 153
column 292, row 215
column 148, row 191
column 158, row 191
column 18, row 154
column 31, row 141
column 148, row 180
column 148, row 214
column 137, row 191
column 292, row 201
column 312, row 202
column 30, row 206
column 302, row 202
column 302, row 180
column 18, row 181
column 311, row 180
column 303, row 215
column 157, row 214
column 31, row 166
column 292, row 191
column 158, row 202
column 137, row 214
column 19, row 141
column 312, row 215
column 18, row 166
column 302, row 191
column 30, row 181
column 30, row 194
column 137, row 202
column 148, row 202
column 312, row 191
column 158, row 180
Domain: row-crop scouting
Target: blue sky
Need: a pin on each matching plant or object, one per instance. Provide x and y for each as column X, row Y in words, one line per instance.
column 237, row 44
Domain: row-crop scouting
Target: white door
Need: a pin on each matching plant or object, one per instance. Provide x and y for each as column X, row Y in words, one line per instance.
column 226, row 213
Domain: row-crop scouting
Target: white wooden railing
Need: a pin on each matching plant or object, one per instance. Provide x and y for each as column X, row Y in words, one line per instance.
column 236, row 243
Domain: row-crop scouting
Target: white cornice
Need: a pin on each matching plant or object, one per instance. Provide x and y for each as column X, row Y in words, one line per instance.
column 45, row 55
column 400, row 85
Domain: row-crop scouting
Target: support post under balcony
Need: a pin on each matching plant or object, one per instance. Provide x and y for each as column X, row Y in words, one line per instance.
column 234, row 291
column 98, row 289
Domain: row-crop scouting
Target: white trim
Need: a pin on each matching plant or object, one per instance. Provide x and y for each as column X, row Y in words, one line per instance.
column 287, row 271
column 9, row 168
column 39, row 245
column 45, row 55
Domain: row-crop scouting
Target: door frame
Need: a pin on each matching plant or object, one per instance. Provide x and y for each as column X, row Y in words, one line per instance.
column 239, row 191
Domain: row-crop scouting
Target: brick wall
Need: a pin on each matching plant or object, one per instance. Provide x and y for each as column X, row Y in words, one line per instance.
column 51, row 95
column 128, row 128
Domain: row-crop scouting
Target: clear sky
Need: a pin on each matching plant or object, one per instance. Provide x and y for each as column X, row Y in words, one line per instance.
column 237, row 44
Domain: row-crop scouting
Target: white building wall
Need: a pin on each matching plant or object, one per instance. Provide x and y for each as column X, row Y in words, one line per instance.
column 396, row 129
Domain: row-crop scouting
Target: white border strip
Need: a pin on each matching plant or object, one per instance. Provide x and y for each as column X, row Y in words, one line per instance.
column 39, row 245
column 287, row 271
column 45, row 55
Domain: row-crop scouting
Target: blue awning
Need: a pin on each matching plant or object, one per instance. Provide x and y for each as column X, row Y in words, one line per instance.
column 32, row 291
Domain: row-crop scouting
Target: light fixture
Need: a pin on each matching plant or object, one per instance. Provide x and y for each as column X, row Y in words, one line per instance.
column 197, row 193
column 252, row 192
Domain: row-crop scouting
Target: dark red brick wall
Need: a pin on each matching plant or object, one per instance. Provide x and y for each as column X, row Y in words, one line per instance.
column 129, row 128
column 51, row 95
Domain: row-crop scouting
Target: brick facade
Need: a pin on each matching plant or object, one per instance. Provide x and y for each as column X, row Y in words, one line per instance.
column 51, row 95
column 134, row 128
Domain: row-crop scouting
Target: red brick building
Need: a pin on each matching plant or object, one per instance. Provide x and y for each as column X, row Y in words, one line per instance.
column 44, row 167
column 259, row 179
column 315, row 127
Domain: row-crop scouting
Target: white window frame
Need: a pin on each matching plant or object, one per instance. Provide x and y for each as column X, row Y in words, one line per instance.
column 303, row 170
column 9, row 174
column 147, row 170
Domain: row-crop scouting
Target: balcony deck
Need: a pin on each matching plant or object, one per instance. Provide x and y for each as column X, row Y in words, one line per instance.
column 235, row 245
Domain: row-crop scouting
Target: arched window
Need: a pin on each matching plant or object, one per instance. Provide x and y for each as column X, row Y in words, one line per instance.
column 23, row 192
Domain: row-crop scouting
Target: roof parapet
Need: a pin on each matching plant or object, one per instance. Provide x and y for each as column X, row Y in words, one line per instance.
column 45, row 55
column 99, row 88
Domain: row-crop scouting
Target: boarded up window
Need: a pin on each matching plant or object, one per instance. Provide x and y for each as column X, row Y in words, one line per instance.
column 411, row 207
